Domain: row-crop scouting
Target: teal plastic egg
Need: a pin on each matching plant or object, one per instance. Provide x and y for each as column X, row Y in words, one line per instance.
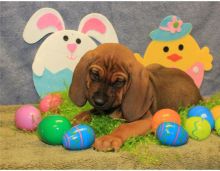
column 79, row 137
column 52, row 128
column 171, row 134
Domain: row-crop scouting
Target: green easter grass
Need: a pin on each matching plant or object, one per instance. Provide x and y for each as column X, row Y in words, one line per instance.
column 103, row 125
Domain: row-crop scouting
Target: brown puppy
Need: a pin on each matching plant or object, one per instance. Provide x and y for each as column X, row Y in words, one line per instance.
column 113, row 81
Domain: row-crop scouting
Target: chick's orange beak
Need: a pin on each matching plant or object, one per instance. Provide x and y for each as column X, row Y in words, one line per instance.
column 174, row 57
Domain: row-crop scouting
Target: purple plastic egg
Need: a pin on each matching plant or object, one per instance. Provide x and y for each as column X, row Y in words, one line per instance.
column 27, row 117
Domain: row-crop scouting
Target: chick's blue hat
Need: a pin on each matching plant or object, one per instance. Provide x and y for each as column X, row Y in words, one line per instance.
column 171, row 28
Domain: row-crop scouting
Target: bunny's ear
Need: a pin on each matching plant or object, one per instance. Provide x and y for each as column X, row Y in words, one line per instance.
column 41, row 23
column 98, row 27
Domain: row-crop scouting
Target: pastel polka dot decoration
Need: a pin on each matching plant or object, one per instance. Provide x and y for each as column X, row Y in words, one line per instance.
column 171, row 134
column 165, row 115
column 79, row 137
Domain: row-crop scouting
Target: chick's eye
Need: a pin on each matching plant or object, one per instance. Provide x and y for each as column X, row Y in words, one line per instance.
column 166, row 49
column 119, row 83
column 181, row 47
column 94, row 75
column 65, row 38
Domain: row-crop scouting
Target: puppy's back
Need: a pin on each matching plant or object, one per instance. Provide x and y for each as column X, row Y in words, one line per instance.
column 173, row 88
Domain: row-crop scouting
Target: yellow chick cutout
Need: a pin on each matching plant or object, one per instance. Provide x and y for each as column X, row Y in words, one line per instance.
column 172, row 46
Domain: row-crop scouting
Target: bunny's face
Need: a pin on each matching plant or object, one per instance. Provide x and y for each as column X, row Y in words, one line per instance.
column 64, row 49
column 61, row 51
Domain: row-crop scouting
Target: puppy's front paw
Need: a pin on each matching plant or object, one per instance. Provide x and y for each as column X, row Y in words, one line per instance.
column 108, row 143
column 82, row 117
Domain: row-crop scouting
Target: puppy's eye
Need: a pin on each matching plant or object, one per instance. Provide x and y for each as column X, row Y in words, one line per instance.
column 166, row 49
column 119, row 83
column 65, row 38
column 181, row 47
column 94, row 75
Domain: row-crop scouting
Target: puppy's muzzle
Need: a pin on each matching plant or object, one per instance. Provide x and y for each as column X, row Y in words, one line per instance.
column 99, row 99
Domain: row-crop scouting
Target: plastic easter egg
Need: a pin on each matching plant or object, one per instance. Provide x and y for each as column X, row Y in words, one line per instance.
column 202, row 112
column 79, row 137
column 171, row 134
column 165, row 115
column 216, row 112
column 217, row 126
column 198, row 128
column 27, row 117
column 50, row 102
column 52, row 128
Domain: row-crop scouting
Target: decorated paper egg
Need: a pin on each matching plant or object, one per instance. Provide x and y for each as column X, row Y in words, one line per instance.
column 52, row 128
column 165, row 115
column 202, row 112
column 50, row 102
column 216, row 112
column 79, row 137
column 27, row 117
column 217, row 126
column 171, row 134
column 198, row 128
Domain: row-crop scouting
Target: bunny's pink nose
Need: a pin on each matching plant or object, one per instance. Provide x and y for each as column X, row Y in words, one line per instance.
column 71, row 47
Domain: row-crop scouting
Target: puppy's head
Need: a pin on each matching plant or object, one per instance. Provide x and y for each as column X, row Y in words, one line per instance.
column 110, row 77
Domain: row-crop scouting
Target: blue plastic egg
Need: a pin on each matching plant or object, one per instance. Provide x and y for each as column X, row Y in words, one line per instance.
column 202, row 112
column 171, row 134
column 79, row 137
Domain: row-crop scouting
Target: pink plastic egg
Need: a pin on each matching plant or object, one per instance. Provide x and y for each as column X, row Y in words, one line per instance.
column 50, row 102
column 27, row 117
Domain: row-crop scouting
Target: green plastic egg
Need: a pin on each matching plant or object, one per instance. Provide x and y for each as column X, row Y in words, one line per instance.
column 198, row 128
column 52, row 128
column 217, row 126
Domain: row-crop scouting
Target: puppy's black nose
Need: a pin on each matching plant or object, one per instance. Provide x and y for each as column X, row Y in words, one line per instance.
column 99, row 101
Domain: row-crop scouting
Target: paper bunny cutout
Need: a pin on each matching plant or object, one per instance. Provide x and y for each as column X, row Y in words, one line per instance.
column 60, row 52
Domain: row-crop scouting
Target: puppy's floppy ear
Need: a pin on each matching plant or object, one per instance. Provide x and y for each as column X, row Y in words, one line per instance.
column 77, row 91
column 139, row 96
